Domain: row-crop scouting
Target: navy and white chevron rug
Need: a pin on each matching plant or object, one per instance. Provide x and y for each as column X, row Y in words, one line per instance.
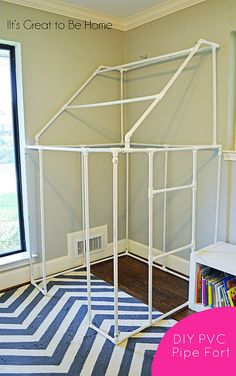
column 48, row 335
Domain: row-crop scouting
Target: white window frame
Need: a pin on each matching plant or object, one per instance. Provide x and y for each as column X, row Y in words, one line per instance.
column 13, row 260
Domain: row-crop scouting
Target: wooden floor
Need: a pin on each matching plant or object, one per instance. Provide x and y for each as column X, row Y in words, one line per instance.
column 168, row 291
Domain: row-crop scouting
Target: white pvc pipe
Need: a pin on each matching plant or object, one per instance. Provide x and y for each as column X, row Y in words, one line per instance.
column 209, row 43
column 103, row 333
column 165, row 205
column 214, row 91
column 159, row 150
column 152, row 60
column 194, row 198
column 141, row 120
column 169, row 313
column 162, row 94
column 76, row 149
column 32, row 278
column 219, row 164
column 133, row 333
column 122, row 144
column 83, row 266
column 31, row 261
column 83, row 208
column 119, row 145
column 165, row 269
column 182, row 66
column 179, row 188
column 141, row 328
column 39, row 288
column 190, row 52
column 122, row 106
column 150, row 234
column 28, row 240
column 85, row 146
column 127, row 204
column 108, row 145
column 146, row 145
column 86, row 213
column 120, row 149
column 107, row 258
column 115, row 241
column 124, row 337
column 62, row 109
column 113, row 103
column 183, row 148
column 42, row 220
column 157, row 59
column 177, row 250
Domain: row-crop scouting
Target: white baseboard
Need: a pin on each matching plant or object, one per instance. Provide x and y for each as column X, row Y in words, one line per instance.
column 175, row 263
column 19, row 275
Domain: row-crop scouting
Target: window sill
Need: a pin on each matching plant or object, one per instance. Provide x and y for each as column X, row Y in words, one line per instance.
column 15, row 261
column 229, row 155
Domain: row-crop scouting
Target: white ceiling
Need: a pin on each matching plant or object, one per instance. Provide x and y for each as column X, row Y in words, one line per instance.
column 117, row 8
column 123, row 14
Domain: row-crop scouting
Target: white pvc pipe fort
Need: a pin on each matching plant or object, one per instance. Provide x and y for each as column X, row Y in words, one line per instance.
column 127, row 148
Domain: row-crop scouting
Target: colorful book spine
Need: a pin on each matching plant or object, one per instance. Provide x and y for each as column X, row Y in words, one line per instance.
column 232, row 296
column 215, row 288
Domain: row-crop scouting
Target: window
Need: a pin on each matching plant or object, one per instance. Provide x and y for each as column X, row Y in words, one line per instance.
column 12, row 232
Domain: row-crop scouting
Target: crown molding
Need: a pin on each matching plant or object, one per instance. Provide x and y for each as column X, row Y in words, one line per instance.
column 70, row 10
column 123, row 24
column 156, row 12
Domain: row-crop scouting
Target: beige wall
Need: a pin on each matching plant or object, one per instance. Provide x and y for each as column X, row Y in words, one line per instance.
column 55, row 64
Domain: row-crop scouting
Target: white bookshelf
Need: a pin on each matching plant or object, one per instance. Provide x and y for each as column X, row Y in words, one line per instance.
column 220, row 256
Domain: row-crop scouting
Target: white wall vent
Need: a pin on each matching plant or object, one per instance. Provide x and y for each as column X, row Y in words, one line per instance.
column 97, row 241
column 95, row 244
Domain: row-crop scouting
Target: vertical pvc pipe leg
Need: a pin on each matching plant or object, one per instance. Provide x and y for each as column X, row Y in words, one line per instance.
column 83, row 208
column 194, row 198
column 165, row 206
column 87, row 247
column 122, row 106
column 150, row 235
column 31, row 262
column 214, row 90
column 32, row 279
column 28, row 242
column 127, row 204
column 218, row 193
column 42, row 216
column 115, row 242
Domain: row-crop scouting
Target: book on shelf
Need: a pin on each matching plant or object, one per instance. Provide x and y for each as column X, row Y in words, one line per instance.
column 215, row 288
column 232, row 296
